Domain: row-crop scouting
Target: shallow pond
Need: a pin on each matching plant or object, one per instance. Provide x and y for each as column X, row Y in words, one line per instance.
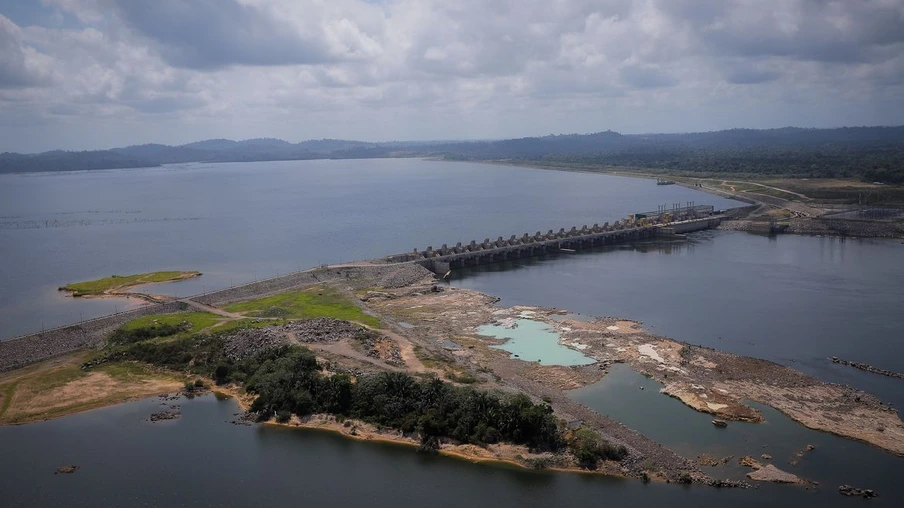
column 534, row 341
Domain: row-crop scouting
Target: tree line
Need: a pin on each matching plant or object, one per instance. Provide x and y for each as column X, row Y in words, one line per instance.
column 288, row 380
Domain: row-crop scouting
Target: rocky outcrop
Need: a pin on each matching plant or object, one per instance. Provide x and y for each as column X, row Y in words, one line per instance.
column 847, row 490
column 767, row 472
column 867, row 367
column 321, row 330
column 172, row 413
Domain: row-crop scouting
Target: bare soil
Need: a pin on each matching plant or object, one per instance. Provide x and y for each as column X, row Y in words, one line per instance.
column 705, row 379
column 56, row 388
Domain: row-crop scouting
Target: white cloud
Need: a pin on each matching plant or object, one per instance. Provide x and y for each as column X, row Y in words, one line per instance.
column 167, row 71
column 20, row 65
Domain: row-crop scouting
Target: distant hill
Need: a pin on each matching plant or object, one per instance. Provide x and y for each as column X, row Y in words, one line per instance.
column 69, row 161
column 870, row 153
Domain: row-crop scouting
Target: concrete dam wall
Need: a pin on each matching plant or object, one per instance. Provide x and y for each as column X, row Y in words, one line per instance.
column 446, row 258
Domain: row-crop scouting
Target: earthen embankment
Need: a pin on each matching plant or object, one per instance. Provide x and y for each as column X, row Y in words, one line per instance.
column 39, row 346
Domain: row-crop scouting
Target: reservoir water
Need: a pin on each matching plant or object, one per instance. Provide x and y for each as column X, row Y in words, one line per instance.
column 200, row 460
column 795, row 300
column 834, row 461
column 244, row 221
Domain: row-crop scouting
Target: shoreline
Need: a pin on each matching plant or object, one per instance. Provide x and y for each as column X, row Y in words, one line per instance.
column 809, row 225
column 455, row 313
column 330, row 424
column 122, row 291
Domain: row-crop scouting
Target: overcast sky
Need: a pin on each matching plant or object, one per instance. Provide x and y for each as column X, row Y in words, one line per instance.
column 87, row 74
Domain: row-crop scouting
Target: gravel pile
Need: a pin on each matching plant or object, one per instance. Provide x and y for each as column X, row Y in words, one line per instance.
column 382, row 348
column 251, row 341
column 405, row 275
column 325, row 330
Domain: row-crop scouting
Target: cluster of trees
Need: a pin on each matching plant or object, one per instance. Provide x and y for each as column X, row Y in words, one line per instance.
column 292, row 383
column 288, row 380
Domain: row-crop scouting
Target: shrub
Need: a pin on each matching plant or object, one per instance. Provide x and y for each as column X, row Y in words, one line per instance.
column 589, row 449
column 123, row 336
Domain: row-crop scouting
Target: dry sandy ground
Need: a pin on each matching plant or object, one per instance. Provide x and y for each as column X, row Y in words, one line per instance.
column 58, row 387
column 515, row 455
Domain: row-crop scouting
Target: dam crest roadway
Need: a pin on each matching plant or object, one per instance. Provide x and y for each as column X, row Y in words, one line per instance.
column 639, row 226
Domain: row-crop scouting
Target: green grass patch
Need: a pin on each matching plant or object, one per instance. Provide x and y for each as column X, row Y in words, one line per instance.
column 8, row 391
column 164, row 325
column 197, row 320
column 98, row 287
column 230, row 326
column 309, row 303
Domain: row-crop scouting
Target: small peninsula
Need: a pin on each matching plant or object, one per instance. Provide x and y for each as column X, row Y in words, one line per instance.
column 118, row 285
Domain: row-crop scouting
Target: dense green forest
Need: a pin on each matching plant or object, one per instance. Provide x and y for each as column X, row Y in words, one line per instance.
column 867, row 153
column 289, row 380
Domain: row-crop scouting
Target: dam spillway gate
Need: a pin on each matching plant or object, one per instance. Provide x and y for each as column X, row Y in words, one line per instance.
column 663, row 223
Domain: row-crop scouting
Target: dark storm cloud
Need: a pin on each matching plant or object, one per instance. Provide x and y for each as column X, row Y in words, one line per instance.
column 208, row 34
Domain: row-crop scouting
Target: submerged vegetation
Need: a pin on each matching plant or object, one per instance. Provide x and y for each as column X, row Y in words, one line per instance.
column 120, row 282
column 320, row 301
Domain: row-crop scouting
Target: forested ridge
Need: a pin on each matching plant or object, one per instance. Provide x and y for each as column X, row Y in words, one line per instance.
column 866, row 153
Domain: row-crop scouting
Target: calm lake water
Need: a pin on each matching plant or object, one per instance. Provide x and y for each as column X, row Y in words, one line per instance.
column 200, row 460
column 796, row 300
column 835, row 461
column 245, row 221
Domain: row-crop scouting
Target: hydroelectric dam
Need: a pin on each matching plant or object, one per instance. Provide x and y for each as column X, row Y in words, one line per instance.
column 665, row 222
column 672, row 222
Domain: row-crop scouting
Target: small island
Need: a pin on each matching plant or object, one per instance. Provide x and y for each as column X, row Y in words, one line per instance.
column 118, row 284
